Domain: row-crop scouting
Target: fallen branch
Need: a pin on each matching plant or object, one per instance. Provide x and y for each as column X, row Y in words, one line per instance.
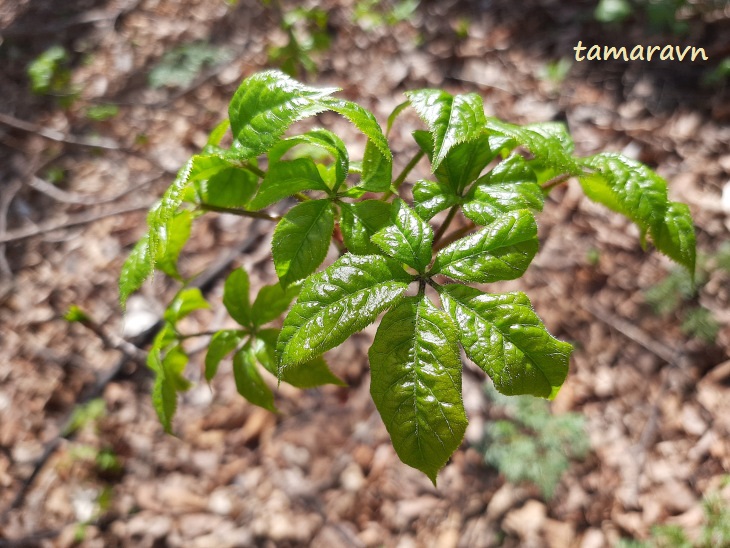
column 59, row 137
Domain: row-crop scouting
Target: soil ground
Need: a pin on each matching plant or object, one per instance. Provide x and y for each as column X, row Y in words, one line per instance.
column 322, row 472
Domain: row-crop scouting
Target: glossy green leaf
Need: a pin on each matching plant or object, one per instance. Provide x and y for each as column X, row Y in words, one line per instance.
column 377, row 166
column 136, row 269
column 265, row 105
column 408, row 239
column 323, row 139
column 546, row 143
column 377, row 170
column 271, row 302
column 310, row 374
column 285, row 179
column 336, row 303
column 221, row 344
column 360, row 221
column 509, row 186
column 185, row 302
column 230, row 187
column 505, row 338
column 501, row 251
column 301, row 240
column 451, row 119
column 416, row 383
column 235, row 297
column 430, row 198
column 363, row 120
column 465, row 161
column 248, row 379
column 675, row 237
column 176, row 235
column 627, row 187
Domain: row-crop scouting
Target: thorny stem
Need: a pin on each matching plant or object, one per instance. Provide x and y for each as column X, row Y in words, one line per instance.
column 555, row 182
column 240, row 212
column 403, row 174
column 445, row 224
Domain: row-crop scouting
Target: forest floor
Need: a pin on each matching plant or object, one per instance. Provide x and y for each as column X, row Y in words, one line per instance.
column 653, row 387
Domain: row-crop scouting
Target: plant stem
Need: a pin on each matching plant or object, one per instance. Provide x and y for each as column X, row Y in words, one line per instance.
column 240, row 212
column 193, row 335
column 555, row 182
column 253, row 169
column 445, row 224
column 403, row 174
column 455, row 235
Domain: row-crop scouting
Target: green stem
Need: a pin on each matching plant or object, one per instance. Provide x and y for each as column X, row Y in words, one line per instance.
column 403, row 174
column 445, row 224
column 186, row 336
column 253, row 169
column 240, row 212
column 555, row 182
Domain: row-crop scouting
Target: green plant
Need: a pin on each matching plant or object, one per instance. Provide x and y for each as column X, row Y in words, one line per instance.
column 180, row 66
column 49, row 72
column 100, row 113
column 532, row 444
column 370, row 14
column 306, row 31
column 715, row 531
column 386, row 246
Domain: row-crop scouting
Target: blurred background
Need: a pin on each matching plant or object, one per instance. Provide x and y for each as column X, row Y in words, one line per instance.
column 101, row 102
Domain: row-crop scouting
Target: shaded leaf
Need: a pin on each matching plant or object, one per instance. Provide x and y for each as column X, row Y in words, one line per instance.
column 176, row 235
column 360, row 221
column 230, row 187
column 235, row 297
column 310, row 374
column 271, row 302
column 185, row 302
column 431, row 198
column 221, row 344
column 301, row 240
column 416, row 383
column 284, row 179
column 248, row 379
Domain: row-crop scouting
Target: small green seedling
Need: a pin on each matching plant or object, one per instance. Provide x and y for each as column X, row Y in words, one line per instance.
column 396, row 258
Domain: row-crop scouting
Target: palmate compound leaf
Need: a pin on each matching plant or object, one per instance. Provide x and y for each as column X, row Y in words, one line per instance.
column 336, row 303
column 450, row 119
column 509, row 186
column 408, row 239
column 301, row 240
column 504, row 337
column 501, row 251
column 265, row 105
column 416, row 383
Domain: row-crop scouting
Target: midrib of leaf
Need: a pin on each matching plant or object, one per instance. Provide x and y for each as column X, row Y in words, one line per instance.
column 506, row 337
column 311, row 227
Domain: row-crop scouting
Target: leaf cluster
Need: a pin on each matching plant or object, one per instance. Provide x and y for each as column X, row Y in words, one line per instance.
column 489, row 175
